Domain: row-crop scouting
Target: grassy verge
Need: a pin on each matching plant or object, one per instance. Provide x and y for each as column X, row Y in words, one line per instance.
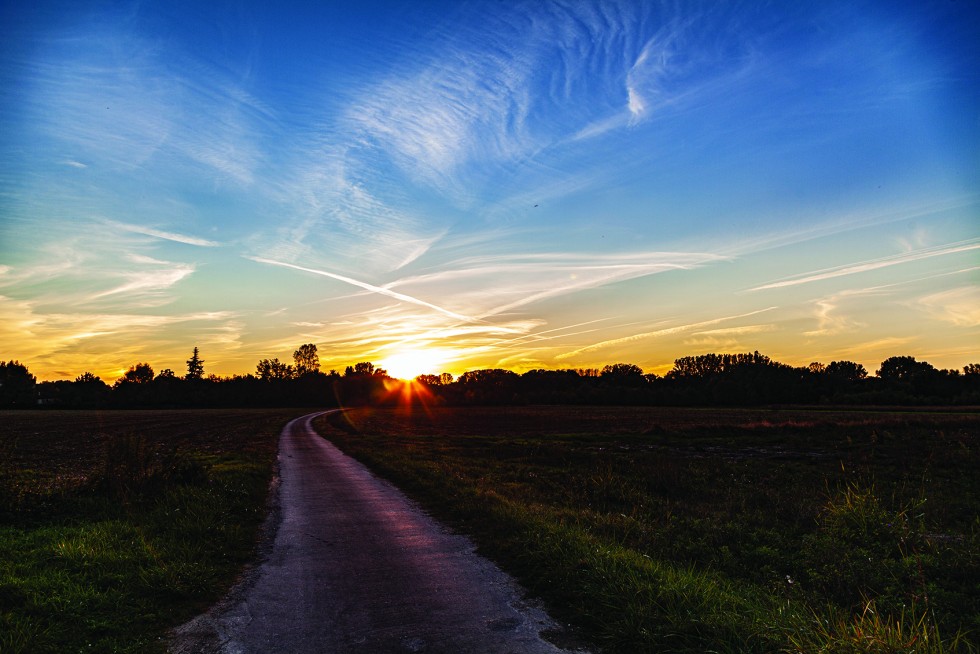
column 115, row 526
column 696, row 531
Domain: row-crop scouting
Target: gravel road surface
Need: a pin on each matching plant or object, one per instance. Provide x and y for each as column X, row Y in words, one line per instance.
column 353, row 566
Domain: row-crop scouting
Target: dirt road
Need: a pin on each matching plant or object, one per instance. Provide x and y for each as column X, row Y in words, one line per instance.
column 355, row 567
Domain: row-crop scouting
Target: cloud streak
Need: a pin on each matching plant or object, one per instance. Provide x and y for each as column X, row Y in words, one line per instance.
column 493, row 285
column 368, row 287
column 958, row 306
column 167, row 236
column 666, row 331
column 873, row 264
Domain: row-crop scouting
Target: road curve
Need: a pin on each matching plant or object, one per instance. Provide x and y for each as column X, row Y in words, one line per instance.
column 354, row 567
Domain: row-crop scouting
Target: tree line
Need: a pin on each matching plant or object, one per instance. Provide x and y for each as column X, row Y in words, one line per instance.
column 746, row 379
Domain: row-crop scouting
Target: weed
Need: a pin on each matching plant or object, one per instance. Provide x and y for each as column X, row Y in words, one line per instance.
column 861, row 548
column 912, row 631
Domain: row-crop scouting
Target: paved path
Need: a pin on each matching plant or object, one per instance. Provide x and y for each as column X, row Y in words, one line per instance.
column 356, row 567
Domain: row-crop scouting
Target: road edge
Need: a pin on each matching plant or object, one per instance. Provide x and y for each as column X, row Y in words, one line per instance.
column 201, row 634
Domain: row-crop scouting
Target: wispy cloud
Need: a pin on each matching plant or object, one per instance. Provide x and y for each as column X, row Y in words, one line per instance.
column 727, row 339
column 148, row 282
column 737, row 331
column 829, row 319
column 836, row 313
column 167, row 236
column 471, row 100
column 658, row 332
column 117, row 100
column 367, row 287
column 878, row 347
column 873, row 264
column 958, row 306
column 494, row 285
column 554, row 333
column 331, row 216
column 98, row 266
column 105, row 342
column 813, row 225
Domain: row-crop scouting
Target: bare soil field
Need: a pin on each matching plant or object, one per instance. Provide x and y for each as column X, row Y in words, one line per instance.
column 57, row 450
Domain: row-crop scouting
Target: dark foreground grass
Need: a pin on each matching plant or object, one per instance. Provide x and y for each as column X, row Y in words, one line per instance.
column 115, row 526
column 664, row 530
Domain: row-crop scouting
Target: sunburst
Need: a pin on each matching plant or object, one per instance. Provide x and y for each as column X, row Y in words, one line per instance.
column 409, row 364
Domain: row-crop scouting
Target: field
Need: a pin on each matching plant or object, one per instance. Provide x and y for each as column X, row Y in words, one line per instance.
column 116, row 525
column 661, row 530
column 695, row 530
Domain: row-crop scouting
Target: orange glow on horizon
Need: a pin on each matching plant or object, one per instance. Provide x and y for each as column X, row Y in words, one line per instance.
column 409, row 364
column 409, row 393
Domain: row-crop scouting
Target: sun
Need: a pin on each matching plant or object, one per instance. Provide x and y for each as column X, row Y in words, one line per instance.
column 409, row 364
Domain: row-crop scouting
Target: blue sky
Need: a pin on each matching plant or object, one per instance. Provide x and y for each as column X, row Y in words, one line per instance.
column 493, row 184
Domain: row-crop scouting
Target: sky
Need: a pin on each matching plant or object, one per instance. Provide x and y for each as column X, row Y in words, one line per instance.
column 486, row 184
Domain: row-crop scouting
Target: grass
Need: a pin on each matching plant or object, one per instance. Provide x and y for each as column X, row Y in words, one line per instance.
column 659, row 530
column 909, row 632
column 115, row 526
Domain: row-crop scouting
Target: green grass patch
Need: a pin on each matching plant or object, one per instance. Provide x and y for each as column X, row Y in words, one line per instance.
column 116, row 526
column 664, row 530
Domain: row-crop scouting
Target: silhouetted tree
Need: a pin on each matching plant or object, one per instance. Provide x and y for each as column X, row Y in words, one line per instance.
column 361, row 368
column 141, row 373
column 709, row 365
column 135, row 387
column 195, row 366
column 970, row 384
column 554, row 387
column 846, row 370
column 489, row 386
column 909, row 380
column 87, row 391
column 362, row 383
column 16, row 385
column 904, row 368
column 623, row 374
column 169, row 390
column 747, row 378
column 306, row 359
column 273, row 369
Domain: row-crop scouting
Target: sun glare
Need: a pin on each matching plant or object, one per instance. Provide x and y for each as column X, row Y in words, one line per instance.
column 410, row 364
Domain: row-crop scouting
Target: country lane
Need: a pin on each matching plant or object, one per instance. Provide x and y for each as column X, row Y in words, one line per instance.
column 356, row 567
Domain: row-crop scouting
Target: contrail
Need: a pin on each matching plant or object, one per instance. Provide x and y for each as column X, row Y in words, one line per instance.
column 963, row 246
column 167, row 236
column 658, row 332
column 368, row 287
